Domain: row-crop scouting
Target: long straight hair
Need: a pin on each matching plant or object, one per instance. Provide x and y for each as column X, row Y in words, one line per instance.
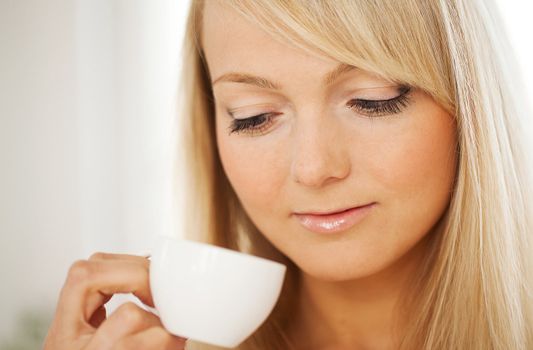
column 475, row 290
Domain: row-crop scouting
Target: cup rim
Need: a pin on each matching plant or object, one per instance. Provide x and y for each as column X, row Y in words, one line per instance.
column 222, row 250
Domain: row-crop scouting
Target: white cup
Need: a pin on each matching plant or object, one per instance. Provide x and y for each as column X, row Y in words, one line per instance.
column 211, row 294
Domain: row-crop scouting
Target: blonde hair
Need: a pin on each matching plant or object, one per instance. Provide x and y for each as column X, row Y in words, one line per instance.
column 474, row 290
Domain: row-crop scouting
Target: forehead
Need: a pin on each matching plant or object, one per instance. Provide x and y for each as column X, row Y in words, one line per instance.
column 232, row 43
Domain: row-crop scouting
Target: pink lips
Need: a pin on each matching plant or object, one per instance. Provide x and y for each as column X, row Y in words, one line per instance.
column 335, row 222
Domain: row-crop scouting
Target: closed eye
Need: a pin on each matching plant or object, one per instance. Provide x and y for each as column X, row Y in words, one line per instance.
column 378, row 108
column 260, row 123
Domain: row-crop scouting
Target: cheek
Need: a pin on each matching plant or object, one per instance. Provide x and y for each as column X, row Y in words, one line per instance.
column 421, row 158
column 416, row 169
column 254, row 168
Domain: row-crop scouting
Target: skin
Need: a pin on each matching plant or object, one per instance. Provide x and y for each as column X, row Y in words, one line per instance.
column 80, row 321
column 317, row 154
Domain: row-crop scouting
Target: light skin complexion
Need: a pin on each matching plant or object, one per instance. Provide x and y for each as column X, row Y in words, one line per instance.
column 315, row 146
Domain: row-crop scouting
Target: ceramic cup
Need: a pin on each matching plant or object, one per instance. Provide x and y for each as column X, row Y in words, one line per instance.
column 211, row 294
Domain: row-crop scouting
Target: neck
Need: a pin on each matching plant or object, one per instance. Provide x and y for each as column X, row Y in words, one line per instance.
column 356, row 314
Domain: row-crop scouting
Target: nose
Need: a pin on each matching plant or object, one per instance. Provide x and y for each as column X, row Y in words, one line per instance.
column 319, row 155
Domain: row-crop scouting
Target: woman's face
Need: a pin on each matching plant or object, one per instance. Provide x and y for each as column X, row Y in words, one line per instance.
column 317, row 149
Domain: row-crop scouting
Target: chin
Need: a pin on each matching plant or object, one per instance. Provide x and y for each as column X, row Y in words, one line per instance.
column 342, row 267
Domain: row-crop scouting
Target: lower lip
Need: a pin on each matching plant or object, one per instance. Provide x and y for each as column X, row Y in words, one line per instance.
column 335, row 222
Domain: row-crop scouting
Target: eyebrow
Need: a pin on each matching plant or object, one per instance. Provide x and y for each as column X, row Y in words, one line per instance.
column 244, row 78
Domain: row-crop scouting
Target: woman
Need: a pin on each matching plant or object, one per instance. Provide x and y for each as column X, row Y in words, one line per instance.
column 373, row 147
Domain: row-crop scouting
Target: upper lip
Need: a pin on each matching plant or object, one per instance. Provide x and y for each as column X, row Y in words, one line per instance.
column 328, row 212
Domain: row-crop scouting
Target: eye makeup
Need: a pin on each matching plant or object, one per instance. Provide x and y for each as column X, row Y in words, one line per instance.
column 371, row 108
column 256, row 124
column 379, row 108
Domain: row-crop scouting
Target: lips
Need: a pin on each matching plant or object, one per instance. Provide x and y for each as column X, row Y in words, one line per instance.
column 332, row 222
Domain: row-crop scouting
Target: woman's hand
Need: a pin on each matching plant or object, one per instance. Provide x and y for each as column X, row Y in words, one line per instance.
column 80, row 321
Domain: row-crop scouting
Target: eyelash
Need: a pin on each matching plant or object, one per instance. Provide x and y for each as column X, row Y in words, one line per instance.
column 379, row 108
column 372, row 108
column 255, row 124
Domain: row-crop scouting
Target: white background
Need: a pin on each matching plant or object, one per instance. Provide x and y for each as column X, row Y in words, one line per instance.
column 87, row 135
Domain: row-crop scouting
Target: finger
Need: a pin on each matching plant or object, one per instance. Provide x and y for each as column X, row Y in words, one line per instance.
column 141, row 259
column 90, row 283
column 152, row 338
column 99, row 296
column 128, row 319
column 98, row 317
column 97, row 299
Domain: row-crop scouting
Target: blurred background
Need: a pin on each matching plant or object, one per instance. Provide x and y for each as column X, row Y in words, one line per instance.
column 88, row 151
column 87, row 142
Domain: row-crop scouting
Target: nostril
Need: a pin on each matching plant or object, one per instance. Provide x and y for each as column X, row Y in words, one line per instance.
column 319, row 155
column 320, row 171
